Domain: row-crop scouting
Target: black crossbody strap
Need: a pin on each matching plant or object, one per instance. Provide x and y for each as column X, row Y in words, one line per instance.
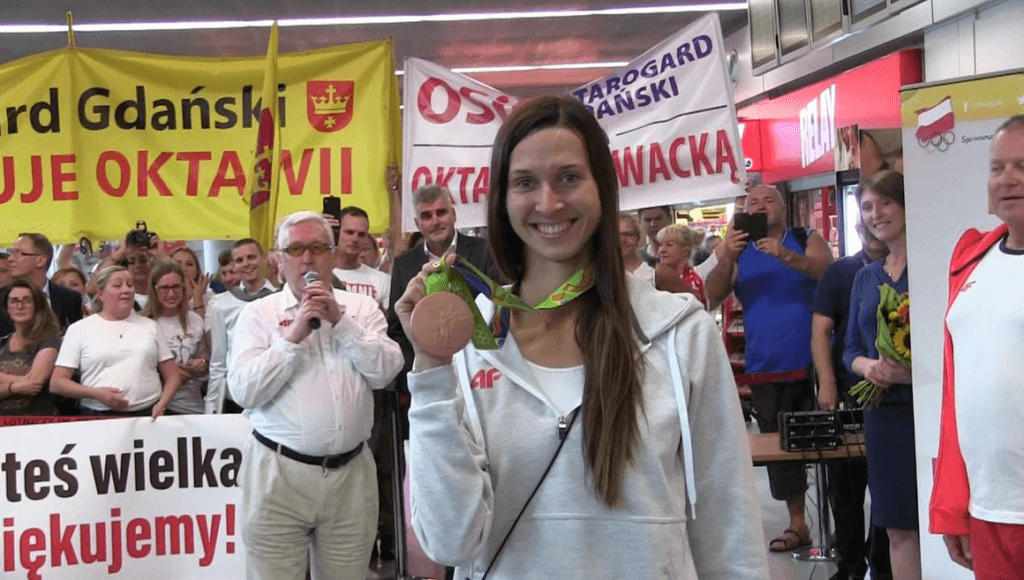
column 564, row 435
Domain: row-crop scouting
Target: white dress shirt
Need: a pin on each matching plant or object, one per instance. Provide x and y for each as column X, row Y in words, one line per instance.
column 450, row 250
column 315, row 396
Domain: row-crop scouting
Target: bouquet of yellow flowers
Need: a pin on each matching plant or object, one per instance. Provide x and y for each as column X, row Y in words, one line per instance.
column 893, row 340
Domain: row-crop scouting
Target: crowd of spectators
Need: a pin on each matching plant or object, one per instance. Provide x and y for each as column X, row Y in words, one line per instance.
column 149, row 295
column 135, row 330
column 139, row 329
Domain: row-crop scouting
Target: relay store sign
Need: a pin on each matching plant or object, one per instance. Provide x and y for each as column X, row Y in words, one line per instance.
column 798, row 130
column 669, row 117
column 818, row 127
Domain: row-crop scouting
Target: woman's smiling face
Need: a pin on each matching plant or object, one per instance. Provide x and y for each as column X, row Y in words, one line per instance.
column 553, row 202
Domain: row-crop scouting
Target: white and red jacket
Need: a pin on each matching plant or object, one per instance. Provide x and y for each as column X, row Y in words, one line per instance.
column 951, row 494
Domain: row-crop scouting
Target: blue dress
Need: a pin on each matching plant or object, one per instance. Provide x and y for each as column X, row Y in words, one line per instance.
column 889, row 428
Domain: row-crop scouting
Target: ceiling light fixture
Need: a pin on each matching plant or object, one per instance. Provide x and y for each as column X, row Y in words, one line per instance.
column 529, row 67
column 364, row 20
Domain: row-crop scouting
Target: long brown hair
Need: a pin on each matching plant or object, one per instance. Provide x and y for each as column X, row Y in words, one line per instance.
column 44, row 322
column 153, row 306
column 886, row 183
column 612, row 390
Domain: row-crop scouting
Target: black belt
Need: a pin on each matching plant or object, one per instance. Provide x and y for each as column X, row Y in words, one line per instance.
column 325, row 461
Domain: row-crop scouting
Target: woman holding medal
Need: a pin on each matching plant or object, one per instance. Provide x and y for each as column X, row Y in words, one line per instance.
column 574, row 449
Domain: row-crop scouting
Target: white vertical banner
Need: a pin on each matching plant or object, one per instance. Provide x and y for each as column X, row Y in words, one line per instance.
column 947, row 135
column 448, row 128
column 669, row 115
column 671, row 121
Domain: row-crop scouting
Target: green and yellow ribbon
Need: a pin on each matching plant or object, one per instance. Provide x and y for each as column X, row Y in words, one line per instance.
column 462, row 277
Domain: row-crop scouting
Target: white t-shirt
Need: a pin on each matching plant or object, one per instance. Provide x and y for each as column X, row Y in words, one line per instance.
column 563, row 387
column 368, row 282
column 185, row 344
column 122, row 354
column 986, row 324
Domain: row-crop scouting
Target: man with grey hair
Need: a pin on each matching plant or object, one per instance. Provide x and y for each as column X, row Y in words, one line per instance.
column 304, row 363
column 435, row 219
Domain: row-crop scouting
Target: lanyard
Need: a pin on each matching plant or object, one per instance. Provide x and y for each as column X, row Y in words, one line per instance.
column 462, row 276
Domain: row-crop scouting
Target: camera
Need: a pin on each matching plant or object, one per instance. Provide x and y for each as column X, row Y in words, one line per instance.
column 140, row 237
column 85, row 246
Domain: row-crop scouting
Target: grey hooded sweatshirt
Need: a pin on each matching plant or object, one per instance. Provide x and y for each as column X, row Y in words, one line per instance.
column 481, row 435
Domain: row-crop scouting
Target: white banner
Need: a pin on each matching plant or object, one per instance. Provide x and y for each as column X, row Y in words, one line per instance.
column 448, row 128
column 671, row 121
column 669, row 115
column 123, row 498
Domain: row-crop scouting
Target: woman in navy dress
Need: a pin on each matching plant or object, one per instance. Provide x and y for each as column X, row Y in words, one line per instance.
column 889, row 428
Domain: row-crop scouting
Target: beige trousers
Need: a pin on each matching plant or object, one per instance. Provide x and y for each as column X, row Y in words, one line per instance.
column 296, row 515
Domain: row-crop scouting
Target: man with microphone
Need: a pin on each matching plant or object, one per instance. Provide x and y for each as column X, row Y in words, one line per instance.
column 303, row 363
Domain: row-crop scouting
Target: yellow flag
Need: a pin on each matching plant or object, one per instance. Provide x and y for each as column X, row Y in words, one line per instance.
column 261, row 194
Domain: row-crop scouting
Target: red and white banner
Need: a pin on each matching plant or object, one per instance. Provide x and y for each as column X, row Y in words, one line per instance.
column 447, row 131
column 669, row 115
column 123, row 498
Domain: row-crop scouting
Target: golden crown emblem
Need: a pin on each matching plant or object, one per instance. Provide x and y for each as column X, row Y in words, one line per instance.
column 330, row 103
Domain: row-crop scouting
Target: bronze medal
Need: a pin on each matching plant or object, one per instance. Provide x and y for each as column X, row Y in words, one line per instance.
column 442, row 324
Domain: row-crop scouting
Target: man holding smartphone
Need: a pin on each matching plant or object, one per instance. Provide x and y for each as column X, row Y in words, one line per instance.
column 774, row 279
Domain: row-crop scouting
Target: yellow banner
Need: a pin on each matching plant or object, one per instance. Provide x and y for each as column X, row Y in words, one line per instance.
column 970, row 100
column 93, row 140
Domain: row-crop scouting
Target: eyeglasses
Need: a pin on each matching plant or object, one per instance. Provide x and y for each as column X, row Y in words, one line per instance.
column 138, row 260
column 16, row 253
column 26, row 301
column 316, row 248
column 633, row 234
column 167, row 289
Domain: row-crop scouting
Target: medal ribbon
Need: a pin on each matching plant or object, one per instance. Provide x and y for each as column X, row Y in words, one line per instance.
column 462, row 276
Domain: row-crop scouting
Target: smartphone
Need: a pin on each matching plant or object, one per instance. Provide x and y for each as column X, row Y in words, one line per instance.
column 754, row 224
column 332, row 207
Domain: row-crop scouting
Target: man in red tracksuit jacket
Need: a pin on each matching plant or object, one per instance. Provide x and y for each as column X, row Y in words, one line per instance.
column 983, row 523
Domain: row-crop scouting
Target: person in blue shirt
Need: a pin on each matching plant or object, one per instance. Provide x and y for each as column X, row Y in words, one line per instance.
column 774, row 279
column 889, row 428
column 848, row 479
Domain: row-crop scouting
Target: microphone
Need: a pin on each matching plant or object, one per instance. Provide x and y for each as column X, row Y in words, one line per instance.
column 308, row 278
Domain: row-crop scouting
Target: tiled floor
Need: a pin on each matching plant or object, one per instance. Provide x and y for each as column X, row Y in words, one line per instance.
column 782, row 565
